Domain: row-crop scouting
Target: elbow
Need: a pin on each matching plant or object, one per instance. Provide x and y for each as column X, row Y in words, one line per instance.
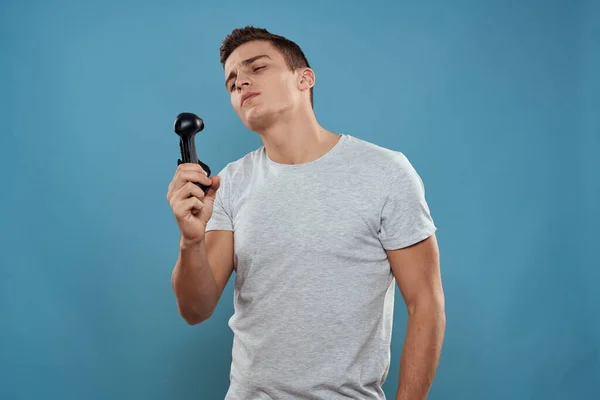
column 193, row 320
column 193, row 316
column 191, row 308
column 428, row 305
column 429, row 314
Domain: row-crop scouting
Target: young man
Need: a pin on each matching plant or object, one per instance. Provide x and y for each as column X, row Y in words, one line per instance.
column 324, row 224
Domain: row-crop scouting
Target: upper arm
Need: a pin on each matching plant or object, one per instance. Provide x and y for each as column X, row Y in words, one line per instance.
column 218, row 236
column 219, row 252
column 407, row 233
column 417, row 272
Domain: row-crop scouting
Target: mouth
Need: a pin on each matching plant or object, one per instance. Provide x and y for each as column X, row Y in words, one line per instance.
column 247, row 96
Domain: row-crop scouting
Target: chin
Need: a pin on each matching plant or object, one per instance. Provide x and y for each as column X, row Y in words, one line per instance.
column 257, row 118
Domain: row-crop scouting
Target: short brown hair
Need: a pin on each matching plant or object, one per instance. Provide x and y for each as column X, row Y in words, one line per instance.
column 292, row 53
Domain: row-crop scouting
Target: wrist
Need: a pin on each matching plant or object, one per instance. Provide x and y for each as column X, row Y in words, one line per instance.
column 186, row 244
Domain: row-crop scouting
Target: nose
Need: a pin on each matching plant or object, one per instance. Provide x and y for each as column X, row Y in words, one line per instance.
column 241, row 81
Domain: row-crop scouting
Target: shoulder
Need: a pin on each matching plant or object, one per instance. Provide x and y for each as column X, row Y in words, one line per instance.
column 240, row 169
column 235, row 177
column 388, row 162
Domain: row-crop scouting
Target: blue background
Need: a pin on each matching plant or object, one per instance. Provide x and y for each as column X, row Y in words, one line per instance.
column 496, row 103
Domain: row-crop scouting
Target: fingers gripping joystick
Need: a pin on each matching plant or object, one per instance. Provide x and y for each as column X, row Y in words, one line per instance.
column 187, row 125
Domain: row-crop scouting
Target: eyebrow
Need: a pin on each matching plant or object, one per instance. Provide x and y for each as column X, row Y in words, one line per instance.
column 250, row 60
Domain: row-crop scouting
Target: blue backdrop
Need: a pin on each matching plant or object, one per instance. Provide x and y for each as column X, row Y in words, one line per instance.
column 496, row 103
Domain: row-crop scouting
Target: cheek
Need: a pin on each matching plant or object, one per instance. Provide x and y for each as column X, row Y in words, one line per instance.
column 235, row 101
column 285, row 89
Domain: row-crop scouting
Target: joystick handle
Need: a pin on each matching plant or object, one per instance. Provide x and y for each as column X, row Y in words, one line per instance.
column 186, row 126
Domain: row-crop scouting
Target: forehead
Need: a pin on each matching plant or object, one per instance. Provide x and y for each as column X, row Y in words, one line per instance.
column 249, row 50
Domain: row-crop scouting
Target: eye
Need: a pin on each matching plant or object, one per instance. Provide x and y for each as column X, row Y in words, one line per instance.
column 257, row 68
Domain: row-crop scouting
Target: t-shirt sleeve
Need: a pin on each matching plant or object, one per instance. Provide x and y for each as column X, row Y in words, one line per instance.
column 405, row 216
column 221, row 219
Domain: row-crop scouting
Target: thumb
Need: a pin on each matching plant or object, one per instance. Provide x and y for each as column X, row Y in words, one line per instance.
column 215, row 185
column 209, row 199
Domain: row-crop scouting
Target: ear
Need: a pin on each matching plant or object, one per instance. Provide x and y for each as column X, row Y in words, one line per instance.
column 307, row 79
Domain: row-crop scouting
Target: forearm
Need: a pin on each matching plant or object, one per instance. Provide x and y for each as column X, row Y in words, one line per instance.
column 194, row 284
column 421, row 351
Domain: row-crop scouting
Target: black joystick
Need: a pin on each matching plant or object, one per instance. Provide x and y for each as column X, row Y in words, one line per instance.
column 187, row 125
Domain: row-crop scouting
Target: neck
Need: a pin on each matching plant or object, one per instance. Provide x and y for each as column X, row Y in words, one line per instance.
column 297, row 138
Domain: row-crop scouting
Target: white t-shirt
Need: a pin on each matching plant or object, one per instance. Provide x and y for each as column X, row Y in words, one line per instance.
column 314, row 291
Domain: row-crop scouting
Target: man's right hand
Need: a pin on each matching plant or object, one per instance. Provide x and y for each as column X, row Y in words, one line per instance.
column 191, row 206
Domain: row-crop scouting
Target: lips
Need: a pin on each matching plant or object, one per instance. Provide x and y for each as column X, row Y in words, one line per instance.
column 248, row 96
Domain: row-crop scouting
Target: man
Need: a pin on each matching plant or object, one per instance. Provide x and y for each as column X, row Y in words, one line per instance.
column 324, row 224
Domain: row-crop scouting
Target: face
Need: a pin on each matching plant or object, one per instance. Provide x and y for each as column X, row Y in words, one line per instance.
column 261, row 85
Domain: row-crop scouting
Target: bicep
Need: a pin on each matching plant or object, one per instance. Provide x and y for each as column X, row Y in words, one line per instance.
column 219, row 251
column 417, row 272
